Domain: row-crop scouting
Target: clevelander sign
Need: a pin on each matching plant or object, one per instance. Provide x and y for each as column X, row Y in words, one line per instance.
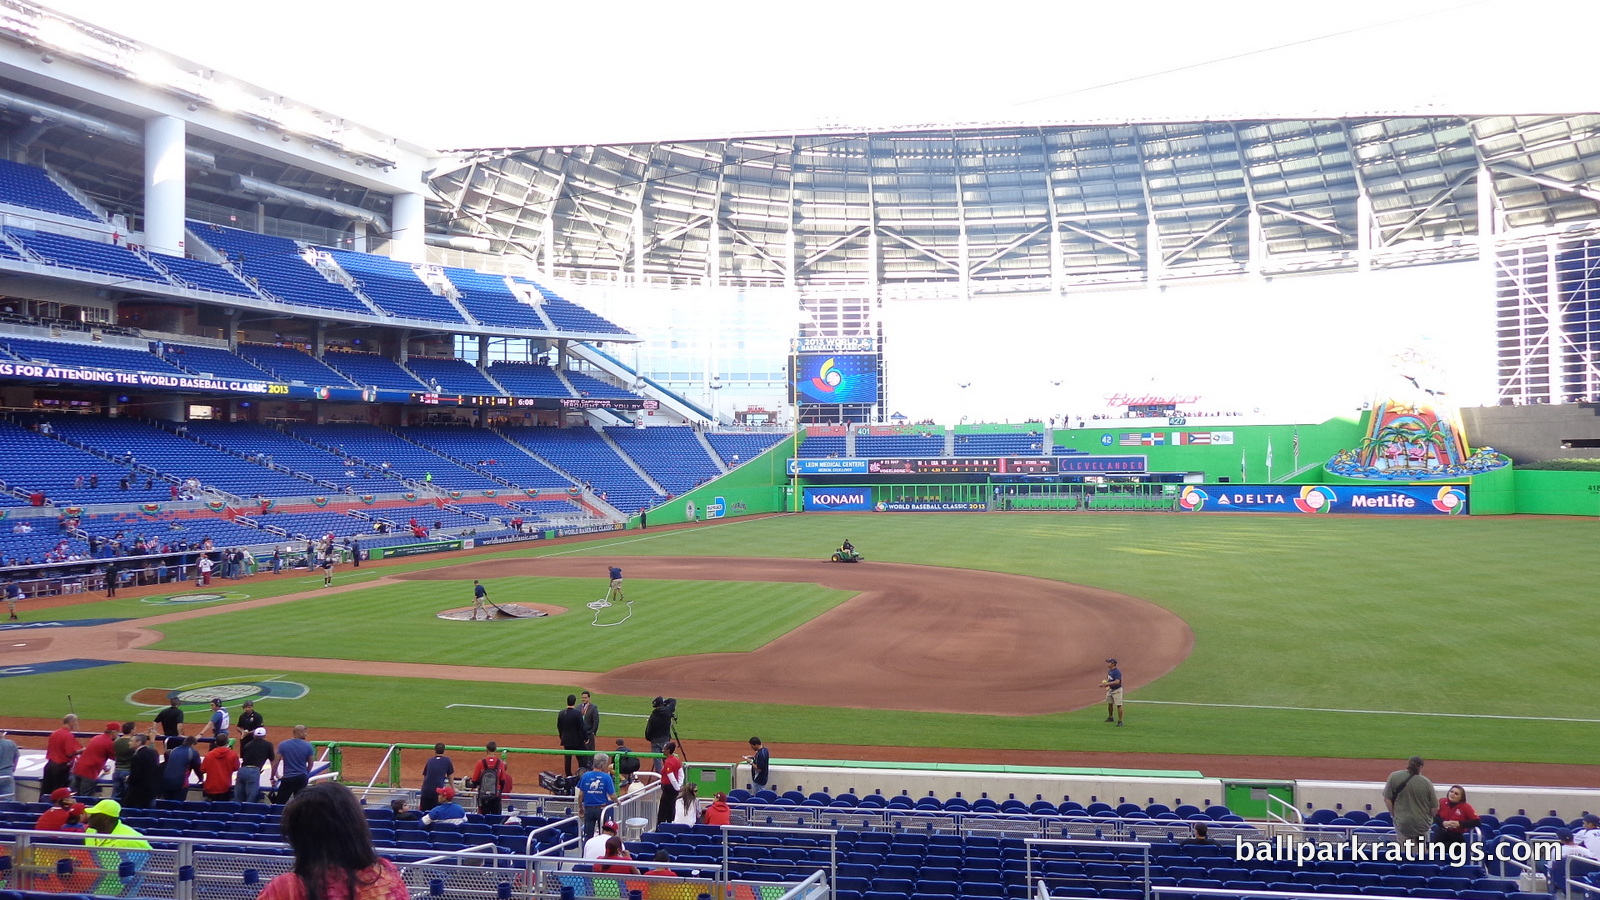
column 838, row 498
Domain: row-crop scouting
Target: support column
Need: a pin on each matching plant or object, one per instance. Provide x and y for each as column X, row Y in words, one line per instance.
column 1155, row 263
column 483, row 352
column 1258, row 241
column 358, row 237
column 165, row 188
column 406, row 242
column 1364, row 232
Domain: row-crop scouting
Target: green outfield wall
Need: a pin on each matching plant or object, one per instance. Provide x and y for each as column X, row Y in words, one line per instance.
column 1538, row 493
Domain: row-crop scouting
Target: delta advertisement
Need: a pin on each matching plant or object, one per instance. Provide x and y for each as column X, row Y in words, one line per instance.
column 1324, row 499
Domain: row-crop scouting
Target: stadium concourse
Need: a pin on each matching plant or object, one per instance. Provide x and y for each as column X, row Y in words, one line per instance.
column 879, row 682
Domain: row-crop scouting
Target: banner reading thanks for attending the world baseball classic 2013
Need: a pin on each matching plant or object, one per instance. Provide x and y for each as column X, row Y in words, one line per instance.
column 1322, row 499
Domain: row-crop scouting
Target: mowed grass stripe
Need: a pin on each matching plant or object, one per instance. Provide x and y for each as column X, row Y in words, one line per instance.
column 397, row 623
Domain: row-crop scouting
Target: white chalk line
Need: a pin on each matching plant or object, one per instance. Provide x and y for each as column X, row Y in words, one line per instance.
column 534, row 709
column 1367, row 712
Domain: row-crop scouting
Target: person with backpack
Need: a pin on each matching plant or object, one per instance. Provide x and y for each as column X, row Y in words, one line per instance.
column 492, row 778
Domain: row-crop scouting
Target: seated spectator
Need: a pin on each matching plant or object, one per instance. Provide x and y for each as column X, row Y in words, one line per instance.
column 448, row 812
column 401, row 814
column 612, row 862
column 718, row 813
column 64, row 814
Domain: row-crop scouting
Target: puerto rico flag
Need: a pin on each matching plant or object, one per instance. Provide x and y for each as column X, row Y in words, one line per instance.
column 1191, row 437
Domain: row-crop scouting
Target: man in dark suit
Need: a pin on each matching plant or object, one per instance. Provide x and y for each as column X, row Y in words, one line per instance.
column 569, row 727
column 591, row 724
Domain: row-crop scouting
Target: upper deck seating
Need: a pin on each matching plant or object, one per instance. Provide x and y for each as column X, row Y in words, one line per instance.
column 215, row 362
column 197, row 274
column 276, row 266
column 374, row 370
column 30, row 186
column 529, row 379
column 85, row 255
column 491, row 302
column 395, row 287
column 88, row 355
column 452, row 376
column 292, row 364
column 590, row 386
column 569, row 316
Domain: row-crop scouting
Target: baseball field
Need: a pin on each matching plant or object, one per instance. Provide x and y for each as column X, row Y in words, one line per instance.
column 1365, row 637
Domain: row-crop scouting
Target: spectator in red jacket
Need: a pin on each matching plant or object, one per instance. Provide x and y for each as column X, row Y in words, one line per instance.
column 718, row 812
column 59, row 752
column 218, row 768
column 61, row 815
column 92, row 761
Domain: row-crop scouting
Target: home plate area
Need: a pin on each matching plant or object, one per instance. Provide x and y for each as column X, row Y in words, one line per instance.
column 497, row 611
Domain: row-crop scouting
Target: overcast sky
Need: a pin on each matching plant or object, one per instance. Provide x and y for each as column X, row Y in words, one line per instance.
column 482, row 73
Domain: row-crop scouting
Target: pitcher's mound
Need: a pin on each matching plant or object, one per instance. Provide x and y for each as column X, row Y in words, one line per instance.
column 502, row 612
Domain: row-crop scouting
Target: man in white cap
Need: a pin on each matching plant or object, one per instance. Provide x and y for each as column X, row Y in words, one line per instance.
column 255, row 757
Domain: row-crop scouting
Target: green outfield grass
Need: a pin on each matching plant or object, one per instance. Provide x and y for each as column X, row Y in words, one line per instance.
column 396, row 622
column 1379, row 637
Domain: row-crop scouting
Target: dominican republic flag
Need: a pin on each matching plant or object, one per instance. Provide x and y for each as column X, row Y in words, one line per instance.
column 1143, row 439
column 1191, row 437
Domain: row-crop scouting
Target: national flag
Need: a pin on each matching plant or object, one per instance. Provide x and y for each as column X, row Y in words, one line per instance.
column 1269, row 451
column 1197, row 437
column 1153, row 439
column 1129, row 439
column 1297, row 443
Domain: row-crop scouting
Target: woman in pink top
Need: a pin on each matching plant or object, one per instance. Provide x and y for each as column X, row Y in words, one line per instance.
column 333, row 854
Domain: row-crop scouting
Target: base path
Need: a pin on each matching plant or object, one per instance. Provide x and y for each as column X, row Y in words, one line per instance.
column 915, row 638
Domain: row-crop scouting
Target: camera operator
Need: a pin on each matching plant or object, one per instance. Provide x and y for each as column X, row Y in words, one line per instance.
column 658, row 728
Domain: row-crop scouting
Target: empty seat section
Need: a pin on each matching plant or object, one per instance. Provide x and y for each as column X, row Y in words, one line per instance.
column 89, row 355
column 394, row 286
column 900, row 445
column 275, row 266
column 1005, row 444
column 673, row 455
column 30, row 186
column 822, row 446
column 180, row 457
column 452, row 376
column 568, row 316
column 585, row 455
column 489, row 300
column 529, row 379
column 373, row 370
column 293, row 364
column 281, row 449
column 214, row 362
column 492, row 453
column 374, row 446
column 199, row 275
column 20, row 451
column 741, row 447
column 85, row 255
column 590, row 386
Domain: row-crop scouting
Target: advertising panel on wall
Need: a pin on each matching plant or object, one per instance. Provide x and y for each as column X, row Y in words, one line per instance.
column 930, row 506
column 838, row 499
column 1100, row 464
column 827, row 467
column 1324, row 499
column 25, row 371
